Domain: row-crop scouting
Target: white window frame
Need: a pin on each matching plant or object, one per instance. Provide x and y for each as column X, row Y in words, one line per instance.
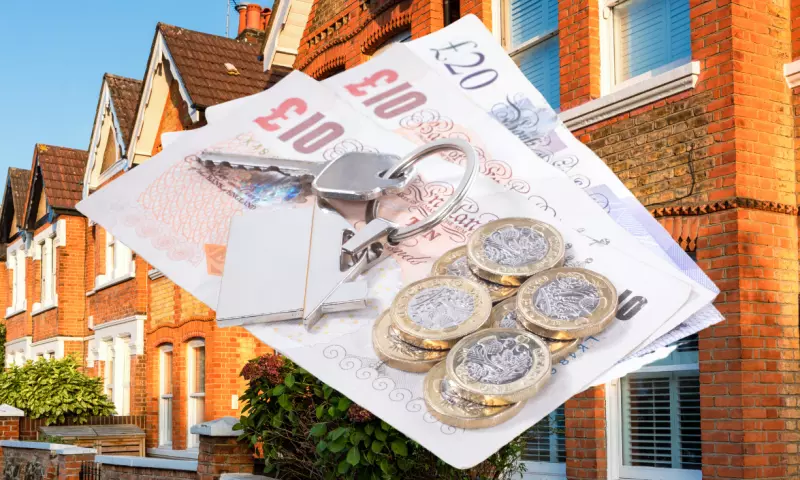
column 608, row 58
column 46, row 253
column 165, row 399
column 193, row 398
column 616, row 469
column 109, row 371
column 16, row 263
column 120, row 265
column 118, row 351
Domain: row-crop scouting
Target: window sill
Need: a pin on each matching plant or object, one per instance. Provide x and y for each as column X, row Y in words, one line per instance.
column 640, row 93
column 14, row 312
column 650, row 473
column 792, row 73
column 39, row 309
column 111, row 283
column 166, row 452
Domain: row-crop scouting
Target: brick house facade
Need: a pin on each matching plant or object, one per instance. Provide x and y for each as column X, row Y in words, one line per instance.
column 45, row 306
column 687, row 102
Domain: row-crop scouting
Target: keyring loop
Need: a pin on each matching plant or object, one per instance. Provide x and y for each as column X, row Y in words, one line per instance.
column 470, row 171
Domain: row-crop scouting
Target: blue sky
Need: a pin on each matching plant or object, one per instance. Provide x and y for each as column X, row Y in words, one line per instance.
column 53, row 55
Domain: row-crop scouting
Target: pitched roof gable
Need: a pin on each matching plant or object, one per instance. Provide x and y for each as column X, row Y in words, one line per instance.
column 12, row 211
column 125, row 93
column 200, row 59
column 18, row 179
column 61, row 171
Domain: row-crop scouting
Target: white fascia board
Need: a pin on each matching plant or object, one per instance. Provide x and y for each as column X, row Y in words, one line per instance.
column 271, row 45
column 159, row 50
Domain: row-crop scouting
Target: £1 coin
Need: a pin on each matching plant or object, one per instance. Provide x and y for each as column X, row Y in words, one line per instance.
column 435, row 312
column 396, row 353
column 504, row 315
column 509, row 250
column 499, row 366
column 454, row 262
column 450, row 409
column 566, row 303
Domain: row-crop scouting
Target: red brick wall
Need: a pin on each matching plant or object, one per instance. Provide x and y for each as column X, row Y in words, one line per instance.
column 117, row 472
column 330, row 41
column 9, row 430
column 585, row 434
column 40, row 464
column 218, row 455
column 579, row 49
column 68, row 319
column 18, row 326
column 118, row 301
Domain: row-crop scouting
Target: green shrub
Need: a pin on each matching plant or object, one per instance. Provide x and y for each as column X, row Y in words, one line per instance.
column 307, row 430
column 54, row 390
column 2, row 344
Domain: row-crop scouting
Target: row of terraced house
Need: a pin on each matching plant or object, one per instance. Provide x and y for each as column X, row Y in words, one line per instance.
column 695, row 105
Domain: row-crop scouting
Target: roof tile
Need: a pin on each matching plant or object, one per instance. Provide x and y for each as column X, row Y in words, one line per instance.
column 200, row 58
column 62, row 171
column 125, row 94
column 19, row 178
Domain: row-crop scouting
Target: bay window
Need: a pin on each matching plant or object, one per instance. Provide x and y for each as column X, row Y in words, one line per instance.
column 530, row 33
column 643, row 36
column 656, row 419
column 165, row 397
column 196, row 387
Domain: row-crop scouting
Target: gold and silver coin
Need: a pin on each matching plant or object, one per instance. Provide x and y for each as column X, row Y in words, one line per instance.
column 396, row 353
column 498, row 366
column 509, row 250
column 435, row 312
column 450, row 409
column 454, row 262
column 504, row 315
column 566, row 303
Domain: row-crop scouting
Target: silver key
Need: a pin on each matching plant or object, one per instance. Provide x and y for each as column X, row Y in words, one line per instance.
column 355, row 176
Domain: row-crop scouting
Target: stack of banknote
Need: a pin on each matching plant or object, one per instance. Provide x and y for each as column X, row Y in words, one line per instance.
column 215, row 230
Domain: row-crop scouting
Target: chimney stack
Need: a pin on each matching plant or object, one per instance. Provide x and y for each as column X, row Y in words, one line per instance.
column 253, row 16
column 241, row 8
column 252, row 22
column 265, row 14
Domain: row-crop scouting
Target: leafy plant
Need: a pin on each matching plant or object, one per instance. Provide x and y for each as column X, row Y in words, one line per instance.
column 54, row 390
column 2, row 342
column 307, row 430
column 55, row 439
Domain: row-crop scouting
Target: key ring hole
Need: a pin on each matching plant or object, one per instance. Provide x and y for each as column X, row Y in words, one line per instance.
column 407, row 163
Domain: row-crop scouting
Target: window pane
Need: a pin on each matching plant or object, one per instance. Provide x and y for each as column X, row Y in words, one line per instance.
column 541, row 64
column 689, row 411
column 685, row 353
column 531, row 18
column 545, row 441
column 648, row 433
column 649, row 34
column 200, row 369
column 167, row 373
column 661, row 415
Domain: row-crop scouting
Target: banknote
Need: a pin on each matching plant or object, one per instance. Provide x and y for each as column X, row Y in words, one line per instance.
column 471, row 60
column 177, row 211
column 417, row 103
